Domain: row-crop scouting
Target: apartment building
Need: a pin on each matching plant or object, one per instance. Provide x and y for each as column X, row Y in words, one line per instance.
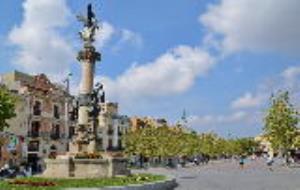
column 42, row 116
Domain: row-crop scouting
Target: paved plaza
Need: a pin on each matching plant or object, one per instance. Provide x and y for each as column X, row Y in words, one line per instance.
column 226, row 175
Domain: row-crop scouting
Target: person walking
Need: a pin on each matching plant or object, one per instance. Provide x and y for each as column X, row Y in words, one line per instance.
column 242, row 162
column 270, row 162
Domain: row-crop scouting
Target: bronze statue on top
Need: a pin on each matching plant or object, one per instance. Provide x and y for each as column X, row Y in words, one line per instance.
column 88, row 36
column 90, row 25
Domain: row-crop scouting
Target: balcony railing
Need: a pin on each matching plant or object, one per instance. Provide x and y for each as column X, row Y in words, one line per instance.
column 110, row 131
column 33, row 147
column 37, row 112
column 56, row 115
column 55, row 136
column 34, row 134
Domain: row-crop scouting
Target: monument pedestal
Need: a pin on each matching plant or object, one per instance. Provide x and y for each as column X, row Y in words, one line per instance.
column 68, row 167
column 90, row 147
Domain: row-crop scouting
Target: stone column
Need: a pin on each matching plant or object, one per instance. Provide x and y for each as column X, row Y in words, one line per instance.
column 86, row 87
column 87, row 57
column 87, row 76
column 85, row 138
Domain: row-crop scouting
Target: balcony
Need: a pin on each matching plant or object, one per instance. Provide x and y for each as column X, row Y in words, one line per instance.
column 33, row 146
column 54, row 136
column 34, row 134
column 37, row 112
column 56, row 112
column 71, row 132
column 110, row 132
column 56, row 116
column 37, row 108
column 55, row 132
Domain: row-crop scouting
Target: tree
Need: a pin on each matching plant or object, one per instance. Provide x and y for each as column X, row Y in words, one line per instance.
column 244, row 146
column 210, row 144
column 281, row 123
column 7, row 107
column 296, row 143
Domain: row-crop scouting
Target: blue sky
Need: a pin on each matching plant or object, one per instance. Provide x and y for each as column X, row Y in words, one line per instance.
column 218, row 59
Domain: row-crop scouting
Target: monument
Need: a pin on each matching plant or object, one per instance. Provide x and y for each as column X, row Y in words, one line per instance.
column 85, row 159
column 85, row 140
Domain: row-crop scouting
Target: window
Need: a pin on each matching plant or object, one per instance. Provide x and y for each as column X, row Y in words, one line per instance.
column 35, row 129
column 100, row 143
column 55, row 132
column 120, row 131
column 110, row 130
column 120, row 144
column 33, row 146
column 110, row 144
column 56, row 111
column 37, row 108
column 71, row 132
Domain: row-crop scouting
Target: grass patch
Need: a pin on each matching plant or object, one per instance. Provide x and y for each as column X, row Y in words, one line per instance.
column 59, row 184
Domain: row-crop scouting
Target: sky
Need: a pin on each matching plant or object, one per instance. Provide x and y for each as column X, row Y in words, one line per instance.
column 220, row 60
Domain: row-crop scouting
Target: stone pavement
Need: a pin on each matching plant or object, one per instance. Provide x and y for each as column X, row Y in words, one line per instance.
column 226, row 175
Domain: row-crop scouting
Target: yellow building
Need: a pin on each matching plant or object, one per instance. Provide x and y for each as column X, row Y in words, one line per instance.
column 142, row 122
column 265, row 144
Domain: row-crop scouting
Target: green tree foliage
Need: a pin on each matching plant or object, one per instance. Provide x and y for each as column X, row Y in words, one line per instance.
column 296, row 143
column 281, row 122
column 210, row 144
column 7, row 107
column 166, row 142
column 245, row 146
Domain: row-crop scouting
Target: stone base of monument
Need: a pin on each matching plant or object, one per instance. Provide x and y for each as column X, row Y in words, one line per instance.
column 70, row 167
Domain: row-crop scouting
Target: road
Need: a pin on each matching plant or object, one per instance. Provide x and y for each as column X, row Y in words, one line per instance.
column 226, row 175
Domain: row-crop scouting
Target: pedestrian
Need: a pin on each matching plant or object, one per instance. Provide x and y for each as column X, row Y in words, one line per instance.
column 270, row 162
column 242, row 161
column 196, row 161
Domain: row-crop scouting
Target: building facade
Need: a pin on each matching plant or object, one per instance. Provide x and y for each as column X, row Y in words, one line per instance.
column 42, row 118
column 45, row 121
column 142, row 122
column 112, row 127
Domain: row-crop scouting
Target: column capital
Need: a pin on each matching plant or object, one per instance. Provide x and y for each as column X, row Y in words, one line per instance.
column 89, row 54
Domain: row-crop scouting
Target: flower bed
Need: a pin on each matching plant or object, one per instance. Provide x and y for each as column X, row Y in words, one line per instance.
column 86, row 155
column 60, row 184
column 20, row 182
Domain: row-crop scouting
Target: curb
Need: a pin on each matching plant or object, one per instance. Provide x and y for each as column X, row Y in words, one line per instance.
column 167, row 184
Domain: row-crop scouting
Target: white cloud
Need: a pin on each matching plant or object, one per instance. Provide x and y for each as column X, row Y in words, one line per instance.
column 291, row 73
column 287, row 80
column 117, row 37
column 291, row 80
column 239, row 122
column 255, row 25
column 131, row 37
column 127, row 37
column 172, row 73
column 218, row 119
column 105, row 34
column 40, row 46
column 248, row 100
